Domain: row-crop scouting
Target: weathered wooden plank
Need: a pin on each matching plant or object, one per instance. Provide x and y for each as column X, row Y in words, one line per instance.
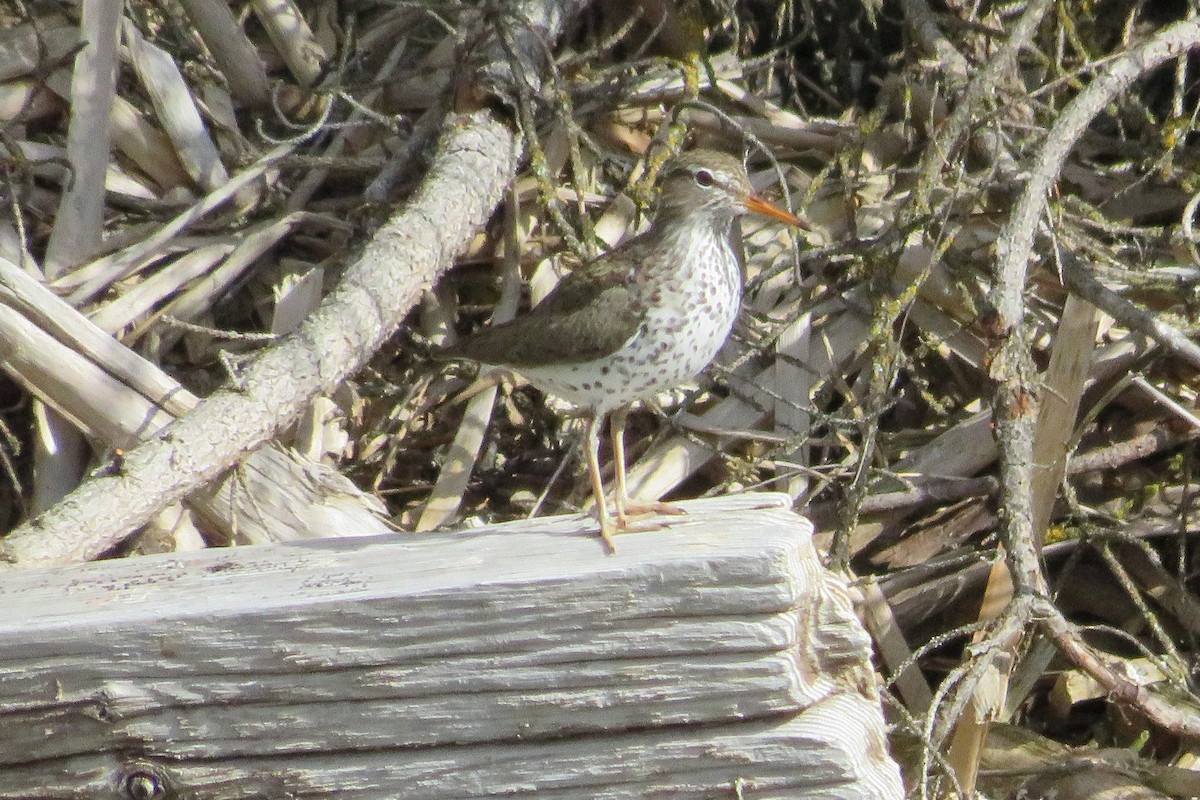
column 821, row 754
column 367, row 668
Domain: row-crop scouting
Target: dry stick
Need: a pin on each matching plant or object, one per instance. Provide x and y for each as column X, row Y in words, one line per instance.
column 1164, row 588
column 53, row 372
column 236, row 57
column 31, row 299
column 191, row 302
column 1080, row 281
column 981, row 697
column 1162, row 398
column 938, row 492
column 1129, row 450
column 459, row 464
column 474, row 165
column 139, row 140
column 293, row 39
column 1169, row 660
column 1182, row 720
column 941, row 492
column 141, row 300
column 1015, row 406
column 971, row 728
column 92, row 279
column 276, row 495
column 59, row 451
column 176, row 109
column 134, row 136
column 1063, row 385
column 79, row 224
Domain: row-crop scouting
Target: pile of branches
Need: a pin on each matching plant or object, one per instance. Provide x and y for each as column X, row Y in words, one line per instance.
column 975, row 373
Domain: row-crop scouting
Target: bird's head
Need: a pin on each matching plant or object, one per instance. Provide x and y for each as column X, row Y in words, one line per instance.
column 713, row 184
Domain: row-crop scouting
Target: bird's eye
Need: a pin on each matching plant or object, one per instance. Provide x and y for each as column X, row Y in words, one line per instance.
column 704, row 178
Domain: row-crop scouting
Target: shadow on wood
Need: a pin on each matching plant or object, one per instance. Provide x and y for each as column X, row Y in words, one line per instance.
column 707, row 659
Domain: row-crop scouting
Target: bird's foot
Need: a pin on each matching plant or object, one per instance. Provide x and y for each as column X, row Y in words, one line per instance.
column 610, row 526
column 608, row 529
column 628, row 509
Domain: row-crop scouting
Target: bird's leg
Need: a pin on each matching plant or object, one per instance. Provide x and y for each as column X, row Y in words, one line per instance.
column 616, row 429
column 626, row 508
column 607, row 528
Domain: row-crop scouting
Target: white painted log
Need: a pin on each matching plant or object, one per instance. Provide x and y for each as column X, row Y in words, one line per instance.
column 516, row 658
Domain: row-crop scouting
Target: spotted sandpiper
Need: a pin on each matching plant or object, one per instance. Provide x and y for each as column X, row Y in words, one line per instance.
column 644, row 317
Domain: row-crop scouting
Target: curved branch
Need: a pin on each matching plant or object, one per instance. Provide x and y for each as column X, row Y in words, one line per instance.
column 1080, row 280
column 1016, row 240
column 1178, row 715
column 1015, row 405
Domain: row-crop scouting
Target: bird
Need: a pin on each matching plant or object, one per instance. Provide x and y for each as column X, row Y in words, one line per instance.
column 646, row 316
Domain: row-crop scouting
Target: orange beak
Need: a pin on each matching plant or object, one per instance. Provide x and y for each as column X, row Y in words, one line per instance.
column 759, row 206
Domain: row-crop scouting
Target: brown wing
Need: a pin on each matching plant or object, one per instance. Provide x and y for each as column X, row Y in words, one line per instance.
column 590, row 314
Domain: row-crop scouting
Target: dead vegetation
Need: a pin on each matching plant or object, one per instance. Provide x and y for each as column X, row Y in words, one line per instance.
column 976, row 375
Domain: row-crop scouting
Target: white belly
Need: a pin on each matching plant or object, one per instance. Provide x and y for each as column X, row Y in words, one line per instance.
column 674, row 344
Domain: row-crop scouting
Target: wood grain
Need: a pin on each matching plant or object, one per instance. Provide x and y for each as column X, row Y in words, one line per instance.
column 513, row 656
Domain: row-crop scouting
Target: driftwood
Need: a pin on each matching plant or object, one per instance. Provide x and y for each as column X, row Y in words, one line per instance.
column 707, row 658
